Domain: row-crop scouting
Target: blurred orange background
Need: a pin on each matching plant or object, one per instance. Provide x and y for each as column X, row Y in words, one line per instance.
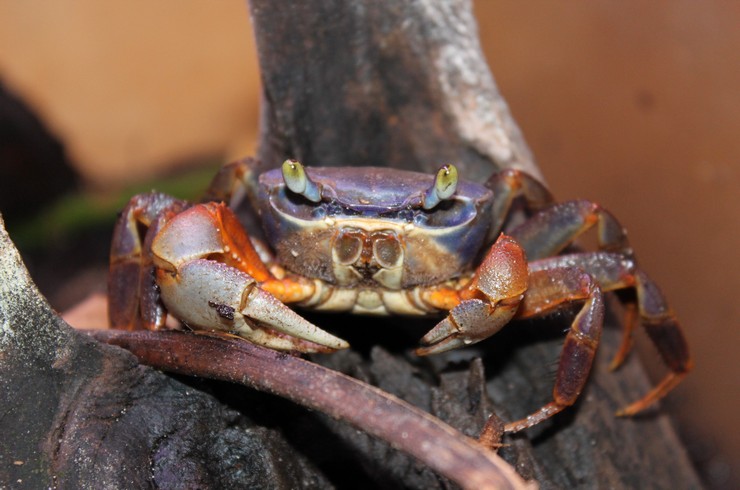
column 632, row 104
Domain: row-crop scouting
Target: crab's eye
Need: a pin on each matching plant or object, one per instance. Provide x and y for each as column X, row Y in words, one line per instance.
column 445, row 184
column 297, row 181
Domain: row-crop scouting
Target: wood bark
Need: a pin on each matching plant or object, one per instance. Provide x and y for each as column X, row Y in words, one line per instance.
column 401, row 84
column 397, row 84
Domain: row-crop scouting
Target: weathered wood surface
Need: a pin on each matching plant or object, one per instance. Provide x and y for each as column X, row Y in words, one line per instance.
column 398, row 84
column 365, row 83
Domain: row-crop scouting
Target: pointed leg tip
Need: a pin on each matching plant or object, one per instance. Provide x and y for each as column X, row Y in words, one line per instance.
column 615, row 364
column 625, row 412
column 620, row 356
column 314, row 348
column 514, row 427
column 444, row 345
column 656, row 394
column 637, row 407
column 634, row 408
column 340, row 345
column 423, row 351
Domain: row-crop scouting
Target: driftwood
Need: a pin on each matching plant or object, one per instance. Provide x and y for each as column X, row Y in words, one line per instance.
column 401, row 84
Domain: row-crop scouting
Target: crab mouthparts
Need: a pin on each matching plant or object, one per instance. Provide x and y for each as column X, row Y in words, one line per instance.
column 359, row 254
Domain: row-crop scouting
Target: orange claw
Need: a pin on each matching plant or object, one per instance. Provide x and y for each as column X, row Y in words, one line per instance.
column 210, row 295
column 208, row 274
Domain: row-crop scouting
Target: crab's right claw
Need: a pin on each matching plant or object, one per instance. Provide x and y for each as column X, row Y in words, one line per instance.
column 210, row 295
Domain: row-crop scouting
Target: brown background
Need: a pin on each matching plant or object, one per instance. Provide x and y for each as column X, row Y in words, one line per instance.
column 633, row 104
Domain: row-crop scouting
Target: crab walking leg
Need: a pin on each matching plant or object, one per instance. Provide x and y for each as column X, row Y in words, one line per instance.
column 665, row 332
column 509, row 185
column 233, row 182
column 211, row 277
column 630, row 323
column 550, row 290
column 551, row 230
column 489, row 301
column 133, row 300
column 614, row 272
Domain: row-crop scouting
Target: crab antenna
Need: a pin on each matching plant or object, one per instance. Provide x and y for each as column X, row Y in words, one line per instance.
column 297, row 181
column 444, row 186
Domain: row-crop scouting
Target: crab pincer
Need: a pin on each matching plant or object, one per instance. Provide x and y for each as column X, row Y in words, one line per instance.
column 209, row 295
column 488, row 303
column 207, row 279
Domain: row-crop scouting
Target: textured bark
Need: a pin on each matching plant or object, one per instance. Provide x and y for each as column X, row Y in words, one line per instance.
column 398, row 84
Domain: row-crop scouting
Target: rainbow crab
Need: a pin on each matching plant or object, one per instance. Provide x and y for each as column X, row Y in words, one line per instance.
column 382, row 241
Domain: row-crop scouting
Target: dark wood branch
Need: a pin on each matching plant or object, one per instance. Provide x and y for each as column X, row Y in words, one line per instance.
column 368, row 408
column 402, row 85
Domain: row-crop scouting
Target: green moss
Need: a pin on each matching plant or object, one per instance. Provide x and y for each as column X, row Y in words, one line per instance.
column 76, row 212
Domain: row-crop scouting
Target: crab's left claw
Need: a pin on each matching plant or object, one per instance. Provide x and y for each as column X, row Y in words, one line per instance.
column 491, row 300
column 210, row 295
column 469, row 322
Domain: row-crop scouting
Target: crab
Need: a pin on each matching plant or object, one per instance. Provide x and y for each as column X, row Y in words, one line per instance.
column 383, row 241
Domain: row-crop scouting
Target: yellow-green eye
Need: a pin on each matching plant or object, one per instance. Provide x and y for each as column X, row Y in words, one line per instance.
column 297, row 181
column 445, row 185
column 446, row 182
column 294, row 176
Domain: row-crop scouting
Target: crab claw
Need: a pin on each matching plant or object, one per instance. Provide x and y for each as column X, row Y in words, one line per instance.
column 210, row 295
column 494, row 293
column 469, row 322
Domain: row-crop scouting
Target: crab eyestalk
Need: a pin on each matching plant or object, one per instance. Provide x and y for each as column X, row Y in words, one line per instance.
column 296, row 179
column 444, row 186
